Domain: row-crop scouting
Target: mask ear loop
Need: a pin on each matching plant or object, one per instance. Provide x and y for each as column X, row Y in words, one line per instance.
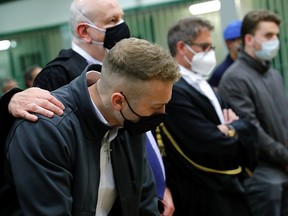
column 190, row 49
column 97, row 28
column 130, row 106
column 83, row 16
column 89, row 23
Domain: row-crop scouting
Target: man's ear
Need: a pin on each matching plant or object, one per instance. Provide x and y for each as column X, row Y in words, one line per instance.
column 180, row 47
column 82, row 31
column 249, row 39
column 117, row 100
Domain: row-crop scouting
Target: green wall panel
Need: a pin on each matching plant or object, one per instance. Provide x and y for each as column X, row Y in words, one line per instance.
column 149, row 22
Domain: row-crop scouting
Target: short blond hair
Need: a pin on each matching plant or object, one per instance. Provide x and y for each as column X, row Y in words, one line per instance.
column 139, row 60
column 133, row 62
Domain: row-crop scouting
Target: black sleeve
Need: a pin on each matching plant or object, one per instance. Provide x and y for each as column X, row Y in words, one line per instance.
column 248, row 140
column 51, row 78
column 6, row 119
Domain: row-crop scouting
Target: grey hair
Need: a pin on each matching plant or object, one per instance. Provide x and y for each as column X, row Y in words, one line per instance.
column 186, row 30
column 79, row 12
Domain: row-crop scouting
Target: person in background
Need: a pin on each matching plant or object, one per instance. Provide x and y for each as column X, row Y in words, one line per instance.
column 205, row 142
column 254, row 88
column 97, row 115
column 8, row 84
column 30, row 75
column 232, row 37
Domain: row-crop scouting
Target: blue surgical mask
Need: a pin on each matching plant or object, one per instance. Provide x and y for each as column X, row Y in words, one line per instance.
column 269, row 50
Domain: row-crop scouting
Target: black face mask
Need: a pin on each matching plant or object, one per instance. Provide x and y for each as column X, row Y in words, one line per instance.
column 115, row 34
column 144, row 124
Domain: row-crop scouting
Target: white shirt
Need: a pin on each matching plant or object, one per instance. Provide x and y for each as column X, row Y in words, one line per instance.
column 85, row 55
column 106, row 191
column 203, row 87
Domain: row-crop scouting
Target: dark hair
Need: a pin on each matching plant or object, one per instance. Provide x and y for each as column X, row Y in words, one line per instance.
column 28, row 72
column 29, row 76
column 253, row 18
column 186, row 30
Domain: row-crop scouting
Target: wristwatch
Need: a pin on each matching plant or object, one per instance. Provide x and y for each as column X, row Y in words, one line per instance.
column 231, row 131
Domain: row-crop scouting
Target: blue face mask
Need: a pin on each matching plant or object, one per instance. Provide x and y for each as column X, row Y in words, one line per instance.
column 144, row 124
column 268, row 51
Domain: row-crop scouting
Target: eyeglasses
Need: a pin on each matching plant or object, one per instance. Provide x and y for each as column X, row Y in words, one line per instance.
column 204, row 46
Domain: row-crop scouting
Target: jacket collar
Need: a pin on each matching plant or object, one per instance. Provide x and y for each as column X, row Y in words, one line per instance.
column 92, row 126
column 256, row 65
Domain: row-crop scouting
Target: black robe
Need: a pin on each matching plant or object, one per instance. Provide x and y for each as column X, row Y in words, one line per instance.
column 192, row 122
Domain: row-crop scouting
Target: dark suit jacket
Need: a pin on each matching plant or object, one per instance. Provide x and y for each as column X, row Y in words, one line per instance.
column 6, row 121
column 60, row 71
column 192, row 121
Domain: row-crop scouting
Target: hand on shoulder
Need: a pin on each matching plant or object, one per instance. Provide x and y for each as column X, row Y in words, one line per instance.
column 34, row 100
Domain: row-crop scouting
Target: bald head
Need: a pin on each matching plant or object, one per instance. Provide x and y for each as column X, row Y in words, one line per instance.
column 97, row 25
column 98, row 12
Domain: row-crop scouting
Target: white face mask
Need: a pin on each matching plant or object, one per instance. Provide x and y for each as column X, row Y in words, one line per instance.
column 269, row 50
column 202, row 63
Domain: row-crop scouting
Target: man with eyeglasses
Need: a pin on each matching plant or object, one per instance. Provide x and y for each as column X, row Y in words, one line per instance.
column 206, row 144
